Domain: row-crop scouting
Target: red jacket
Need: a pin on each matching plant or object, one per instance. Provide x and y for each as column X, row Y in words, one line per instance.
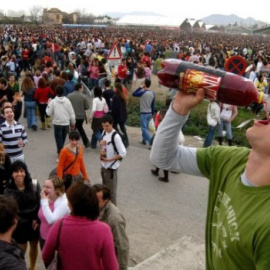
column 122, row 71
column 43, row 94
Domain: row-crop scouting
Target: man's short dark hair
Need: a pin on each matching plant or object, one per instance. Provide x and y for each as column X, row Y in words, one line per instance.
column 83, row 201
column 147, row 83
column 3, row 81
column 107, row 119
column 78, row 86
column 70, row 76
column 74, row 135
column 105, row 191
column 107, row 83
column 57, row 72
column 59, row 90
column 7, row 107
column 8, row 212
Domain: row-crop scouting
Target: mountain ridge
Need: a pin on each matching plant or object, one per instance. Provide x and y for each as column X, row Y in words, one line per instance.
column 216, row 19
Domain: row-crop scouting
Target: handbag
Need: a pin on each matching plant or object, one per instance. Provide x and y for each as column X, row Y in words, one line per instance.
column 68, row 177
column 151, row 126
column 54, row 265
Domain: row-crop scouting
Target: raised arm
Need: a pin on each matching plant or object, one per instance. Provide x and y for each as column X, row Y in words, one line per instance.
column 166, row 152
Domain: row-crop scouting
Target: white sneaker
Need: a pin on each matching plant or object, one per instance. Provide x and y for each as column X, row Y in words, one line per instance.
column 57, row 160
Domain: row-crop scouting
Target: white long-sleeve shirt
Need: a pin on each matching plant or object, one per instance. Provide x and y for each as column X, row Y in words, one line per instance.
column 61, row 209
column 166, row 152
column 97, row 105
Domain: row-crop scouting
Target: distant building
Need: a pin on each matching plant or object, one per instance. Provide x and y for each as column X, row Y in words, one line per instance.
column 239, row 30
column 56, row 16
column 102, row 20
column 265, row 31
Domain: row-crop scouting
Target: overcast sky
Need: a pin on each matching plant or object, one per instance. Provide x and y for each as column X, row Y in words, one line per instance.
column 196, row 9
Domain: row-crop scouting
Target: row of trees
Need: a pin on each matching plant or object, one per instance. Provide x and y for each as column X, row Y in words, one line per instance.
column 35, row 13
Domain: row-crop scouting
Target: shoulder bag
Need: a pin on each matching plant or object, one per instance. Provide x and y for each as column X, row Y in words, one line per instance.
column 55, row 263
column 68, row 177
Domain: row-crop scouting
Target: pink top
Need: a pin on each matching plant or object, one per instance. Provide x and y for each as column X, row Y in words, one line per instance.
column 83, row 244
column 44, row 225
column 93, row 72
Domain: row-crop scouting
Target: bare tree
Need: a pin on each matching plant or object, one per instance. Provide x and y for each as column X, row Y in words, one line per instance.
column 13, row 13
column 84, row 17
column 35, row 14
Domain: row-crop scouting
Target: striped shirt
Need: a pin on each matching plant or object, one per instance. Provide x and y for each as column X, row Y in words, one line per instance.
column 9, row 137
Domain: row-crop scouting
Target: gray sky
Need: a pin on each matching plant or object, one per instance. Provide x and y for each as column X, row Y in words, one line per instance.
column 196, row 9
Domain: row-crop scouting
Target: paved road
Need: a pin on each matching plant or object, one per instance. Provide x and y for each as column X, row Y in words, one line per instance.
column 157, row 213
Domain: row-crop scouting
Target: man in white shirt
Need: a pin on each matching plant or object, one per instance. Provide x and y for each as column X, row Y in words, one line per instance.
column 115, row 151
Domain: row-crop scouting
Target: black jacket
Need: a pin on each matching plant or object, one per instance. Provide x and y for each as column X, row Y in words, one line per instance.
column 119, row 110
column 11, row 257
column 4, row 174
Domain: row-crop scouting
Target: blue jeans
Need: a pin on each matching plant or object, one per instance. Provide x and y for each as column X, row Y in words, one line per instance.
column 210, row 135
column 145, row 119
column 31, row 113
column 60, row 134
column 228, row 129
column 96, row 136
column 92, row 83
column 101, row 82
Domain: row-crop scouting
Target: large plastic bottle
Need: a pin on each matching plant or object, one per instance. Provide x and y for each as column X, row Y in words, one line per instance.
column 219, row 85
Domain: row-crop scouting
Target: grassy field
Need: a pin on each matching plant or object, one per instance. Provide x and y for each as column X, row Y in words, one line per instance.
column 196, row 124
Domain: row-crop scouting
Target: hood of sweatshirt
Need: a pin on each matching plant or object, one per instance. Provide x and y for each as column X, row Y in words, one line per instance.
column 60, row 99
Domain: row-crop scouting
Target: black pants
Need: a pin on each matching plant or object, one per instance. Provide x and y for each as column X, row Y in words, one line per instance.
column 42, row 112
column 79, row 127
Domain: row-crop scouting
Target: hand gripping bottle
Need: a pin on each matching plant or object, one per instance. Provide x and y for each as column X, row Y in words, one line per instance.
column 218, row 85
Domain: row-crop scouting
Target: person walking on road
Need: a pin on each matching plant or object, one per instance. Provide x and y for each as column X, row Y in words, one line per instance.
column 80, row 105
column 115, row 152
column 112, row 215
column 227, row 115
column 213, row 121
column 147, row 109
column 62, row 113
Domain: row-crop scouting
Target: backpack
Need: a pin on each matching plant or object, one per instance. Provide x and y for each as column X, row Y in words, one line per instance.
column 113, row 141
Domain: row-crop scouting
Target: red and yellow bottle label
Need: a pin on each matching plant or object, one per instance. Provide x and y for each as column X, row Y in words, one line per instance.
column 191, row 80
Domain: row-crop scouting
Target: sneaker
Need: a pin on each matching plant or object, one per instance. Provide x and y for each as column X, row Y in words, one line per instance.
column 34, row 127
column 142, row 142
column 163, row 179
column 57, row 160
column 154, row 172
column 87, row 145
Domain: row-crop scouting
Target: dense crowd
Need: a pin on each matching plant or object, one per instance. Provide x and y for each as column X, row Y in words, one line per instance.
column 46, row 69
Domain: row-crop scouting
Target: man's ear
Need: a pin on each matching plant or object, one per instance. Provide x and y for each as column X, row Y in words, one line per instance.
column 15, row 222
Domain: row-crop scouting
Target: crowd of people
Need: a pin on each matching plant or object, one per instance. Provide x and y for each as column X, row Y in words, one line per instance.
column 45, row 70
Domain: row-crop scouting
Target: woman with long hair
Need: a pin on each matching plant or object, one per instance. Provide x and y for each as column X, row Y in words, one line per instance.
column 72, row 70
column 82, row 241
column 28, row 88
column 99, row 108
column 27, row 194
column 4, row 169
column 93, row 70
column 119, row 111
column 42, row 95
